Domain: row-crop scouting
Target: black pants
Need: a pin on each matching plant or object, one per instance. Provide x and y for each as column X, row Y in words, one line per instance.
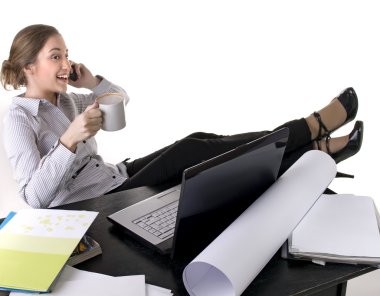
column 168, row 163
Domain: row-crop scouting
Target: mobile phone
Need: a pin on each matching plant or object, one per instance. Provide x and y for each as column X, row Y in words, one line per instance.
column 73, row 75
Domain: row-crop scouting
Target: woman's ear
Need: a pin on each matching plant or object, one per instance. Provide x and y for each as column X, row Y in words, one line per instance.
column 28, row 69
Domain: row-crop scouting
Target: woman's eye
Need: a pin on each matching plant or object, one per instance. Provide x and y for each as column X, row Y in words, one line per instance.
column 55, row 57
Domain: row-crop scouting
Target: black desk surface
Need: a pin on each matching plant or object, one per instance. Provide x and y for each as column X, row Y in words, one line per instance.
column 123, row 255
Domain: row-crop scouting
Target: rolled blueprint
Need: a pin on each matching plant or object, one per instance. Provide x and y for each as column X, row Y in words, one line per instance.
column 256, row 235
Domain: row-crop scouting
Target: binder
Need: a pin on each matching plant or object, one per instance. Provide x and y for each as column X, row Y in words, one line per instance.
column 340, row 228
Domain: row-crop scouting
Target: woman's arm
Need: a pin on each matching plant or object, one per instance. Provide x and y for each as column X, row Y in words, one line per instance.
column 42, row 174
column 88, row 123
column 39, row 177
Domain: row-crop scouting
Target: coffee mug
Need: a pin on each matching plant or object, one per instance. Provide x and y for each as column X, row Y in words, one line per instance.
column 112, row 107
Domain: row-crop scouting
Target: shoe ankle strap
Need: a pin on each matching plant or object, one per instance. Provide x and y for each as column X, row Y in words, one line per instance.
column 322, row 126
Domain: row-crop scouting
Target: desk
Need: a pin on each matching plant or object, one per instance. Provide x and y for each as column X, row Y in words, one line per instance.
column 123, row 255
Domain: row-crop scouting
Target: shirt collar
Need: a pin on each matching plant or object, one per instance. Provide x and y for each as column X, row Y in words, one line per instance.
column 30, row 105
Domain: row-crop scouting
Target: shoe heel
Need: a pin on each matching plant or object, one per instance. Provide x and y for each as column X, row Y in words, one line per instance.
column 354, row 143
column 343, row 175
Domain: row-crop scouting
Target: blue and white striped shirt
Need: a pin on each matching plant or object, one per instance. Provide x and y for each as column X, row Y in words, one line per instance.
column 47, row 172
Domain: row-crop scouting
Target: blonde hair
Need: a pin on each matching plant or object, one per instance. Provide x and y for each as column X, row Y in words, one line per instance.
column 24, row 50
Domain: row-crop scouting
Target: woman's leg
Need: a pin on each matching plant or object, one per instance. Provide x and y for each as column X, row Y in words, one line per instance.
column 335, row 145
column 307, row 134
column 140, row 163
column 168, row 163
column 299, row 134
column 339, row 111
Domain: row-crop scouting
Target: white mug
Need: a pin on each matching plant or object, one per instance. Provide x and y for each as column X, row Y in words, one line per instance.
column 112, row 107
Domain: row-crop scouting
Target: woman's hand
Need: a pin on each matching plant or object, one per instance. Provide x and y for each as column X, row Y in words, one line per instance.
column 85, row 77
column 84, row 126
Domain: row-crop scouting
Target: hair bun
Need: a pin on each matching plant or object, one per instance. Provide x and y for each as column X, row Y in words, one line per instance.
column 7, row 65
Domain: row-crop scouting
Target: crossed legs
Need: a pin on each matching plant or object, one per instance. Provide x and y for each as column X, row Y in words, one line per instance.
column 168, row 163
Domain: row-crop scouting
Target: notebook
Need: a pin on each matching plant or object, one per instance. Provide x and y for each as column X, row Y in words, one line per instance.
column 184, row 219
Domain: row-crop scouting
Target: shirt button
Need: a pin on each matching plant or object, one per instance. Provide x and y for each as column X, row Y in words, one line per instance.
column 114, row 177
column 97, row 165
column 84, row 142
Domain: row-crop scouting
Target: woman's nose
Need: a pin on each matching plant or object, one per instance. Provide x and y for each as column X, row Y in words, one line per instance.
column 66, row 64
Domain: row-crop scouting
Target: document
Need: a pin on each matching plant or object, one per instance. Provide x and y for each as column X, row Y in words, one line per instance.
column 75, row 282
column 74, row 274
column 35, row 245
column 263, row 228
column 338, row 228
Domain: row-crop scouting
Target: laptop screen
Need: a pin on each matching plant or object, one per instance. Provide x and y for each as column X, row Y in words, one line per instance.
column 215, row 192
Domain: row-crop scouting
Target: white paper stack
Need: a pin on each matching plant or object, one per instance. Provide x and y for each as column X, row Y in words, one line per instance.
column 338, row 228
column 75, row 282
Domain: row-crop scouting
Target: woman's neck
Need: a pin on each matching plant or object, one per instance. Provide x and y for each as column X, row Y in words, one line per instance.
column 52, row 98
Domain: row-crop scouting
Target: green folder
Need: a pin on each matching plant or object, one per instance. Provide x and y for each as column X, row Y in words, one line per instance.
column 35, row 245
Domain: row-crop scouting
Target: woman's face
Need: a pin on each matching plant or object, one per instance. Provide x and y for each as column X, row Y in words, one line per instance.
column 48, row 75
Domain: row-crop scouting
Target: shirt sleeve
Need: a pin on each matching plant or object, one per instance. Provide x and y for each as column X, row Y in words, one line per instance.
column 42, row 172
column 82, row 101
column 39, row 178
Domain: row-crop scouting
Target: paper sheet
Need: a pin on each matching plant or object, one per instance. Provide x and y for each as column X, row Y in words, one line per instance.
column 131, row 286
column 152, row 290
column 334, row 225
column 100, row 285
column 73, row 274
column 263, row 228
column 75, row 282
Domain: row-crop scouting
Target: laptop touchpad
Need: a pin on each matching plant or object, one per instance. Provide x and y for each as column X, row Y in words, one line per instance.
column 170, row 196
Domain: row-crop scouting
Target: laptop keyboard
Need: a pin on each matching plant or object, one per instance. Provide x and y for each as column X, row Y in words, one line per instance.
column 161, row 222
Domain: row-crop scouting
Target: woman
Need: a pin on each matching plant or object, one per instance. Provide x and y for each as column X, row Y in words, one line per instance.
column 49, row 133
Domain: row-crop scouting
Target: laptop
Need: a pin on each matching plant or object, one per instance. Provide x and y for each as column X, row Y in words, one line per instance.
column 184, row 219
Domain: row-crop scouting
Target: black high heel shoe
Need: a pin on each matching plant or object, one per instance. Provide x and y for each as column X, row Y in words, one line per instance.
column 349, row 101
column 355, row 139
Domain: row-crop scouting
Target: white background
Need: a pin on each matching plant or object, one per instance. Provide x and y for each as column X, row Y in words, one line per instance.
column 220, row 66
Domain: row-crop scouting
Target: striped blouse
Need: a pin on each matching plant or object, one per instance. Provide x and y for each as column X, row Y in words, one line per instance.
column 47, row 172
